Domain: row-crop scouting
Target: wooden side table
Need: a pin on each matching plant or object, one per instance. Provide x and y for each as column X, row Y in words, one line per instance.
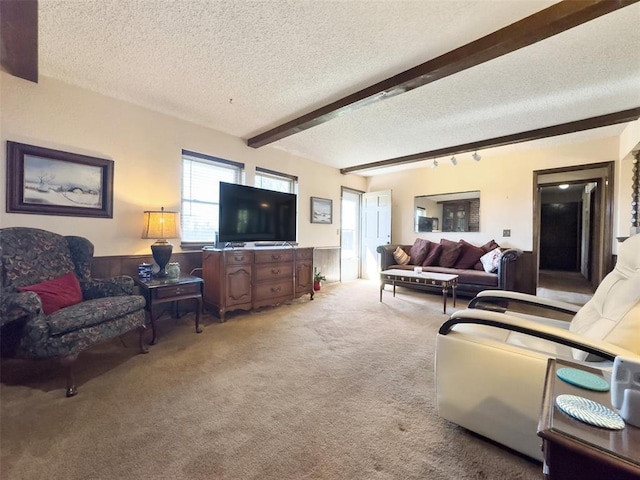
column 164, row 290
column 576, row 450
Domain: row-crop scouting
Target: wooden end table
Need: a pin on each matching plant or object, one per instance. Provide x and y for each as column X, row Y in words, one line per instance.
column 164, row 290
column 576, row 450
column 422, row 280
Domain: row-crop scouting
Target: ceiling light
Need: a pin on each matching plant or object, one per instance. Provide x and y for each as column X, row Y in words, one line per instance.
column 434, row 164
column 564, row 186
column 476, row 157
column 454, row 161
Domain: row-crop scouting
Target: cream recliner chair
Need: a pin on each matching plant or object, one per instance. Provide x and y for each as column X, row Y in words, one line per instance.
column 491, row 360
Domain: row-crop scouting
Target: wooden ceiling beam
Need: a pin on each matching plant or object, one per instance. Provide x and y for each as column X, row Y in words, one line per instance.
column 539, row 26
column 19, row 38
column 546, row 132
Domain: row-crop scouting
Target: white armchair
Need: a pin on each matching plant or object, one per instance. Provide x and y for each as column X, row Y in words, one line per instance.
column 491, row 359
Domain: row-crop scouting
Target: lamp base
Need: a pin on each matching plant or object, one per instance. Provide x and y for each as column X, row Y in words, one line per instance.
column 161, row 255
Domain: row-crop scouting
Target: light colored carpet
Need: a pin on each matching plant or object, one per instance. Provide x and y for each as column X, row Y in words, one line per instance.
column 336, row 388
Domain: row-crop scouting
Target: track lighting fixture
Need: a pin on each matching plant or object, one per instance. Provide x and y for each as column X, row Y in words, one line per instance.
column 454, row 161
column 434, row 164
column 476, row 157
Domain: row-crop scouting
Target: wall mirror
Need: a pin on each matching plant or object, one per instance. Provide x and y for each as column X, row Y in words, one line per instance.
column 448, row 212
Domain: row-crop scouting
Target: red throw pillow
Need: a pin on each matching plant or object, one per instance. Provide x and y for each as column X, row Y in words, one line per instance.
column 450, row 253
column 470, row 255
column 419, row 251
column 57, row 293
column 433, row 255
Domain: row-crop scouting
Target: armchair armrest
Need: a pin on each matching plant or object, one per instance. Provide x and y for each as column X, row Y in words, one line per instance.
column 15, row 306
column 107, row 287
column 499, row 301
column 598, row 348
column 507, row 269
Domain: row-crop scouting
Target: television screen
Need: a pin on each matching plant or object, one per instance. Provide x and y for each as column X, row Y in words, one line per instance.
column 249, row 214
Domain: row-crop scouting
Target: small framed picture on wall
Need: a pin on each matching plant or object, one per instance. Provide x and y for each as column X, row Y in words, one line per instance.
column 321, row 210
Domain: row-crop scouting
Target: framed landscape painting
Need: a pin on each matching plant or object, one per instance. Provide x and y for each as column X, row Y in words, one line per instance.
column 321, row 210
column 51, row 182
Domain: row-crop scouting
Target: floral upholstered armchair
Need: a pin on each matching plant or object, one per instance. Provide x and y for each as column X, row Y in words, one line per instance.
column 49, row 304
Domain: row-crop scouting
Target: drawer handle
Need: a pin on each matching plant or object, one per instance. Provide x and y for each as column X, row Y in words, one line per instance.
column 178, row 291
column 275, row 271
column 276, row 257
column 275, row 289
column 239, row 258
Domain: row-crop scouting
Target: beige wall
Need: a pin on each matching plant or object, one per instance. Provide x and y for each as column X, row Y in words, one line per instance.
column 146, row 149
column 506, row 186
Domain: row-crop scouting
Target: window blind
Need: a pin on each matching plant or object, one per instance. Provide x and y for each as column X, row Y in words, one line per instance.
column 201, row 176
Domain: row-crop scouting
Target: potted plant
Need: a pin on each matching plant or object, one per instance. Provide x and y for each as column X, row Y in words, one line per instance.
column 317, row 278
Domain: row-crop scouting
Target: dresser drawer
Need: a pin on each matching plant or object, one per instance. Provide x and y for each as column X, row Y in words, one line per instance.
column 177, row 290
column 273, row 272
column 273, row 256
column 304, row 254
column 271, row 290
column 241, row 257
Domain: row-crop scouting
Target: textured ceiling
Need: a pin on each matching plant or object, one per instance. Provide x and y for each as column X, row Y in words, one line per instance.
column 244, row 67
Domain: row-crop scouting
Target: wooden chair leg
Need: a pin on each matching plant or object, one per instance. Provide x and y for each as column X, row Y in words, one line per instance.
column 67, row 365
column 143, row 347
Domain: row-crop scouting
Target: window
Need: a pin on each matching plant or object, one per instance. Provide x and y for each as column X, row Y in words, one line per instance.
column 280, row 182
column 201, row 176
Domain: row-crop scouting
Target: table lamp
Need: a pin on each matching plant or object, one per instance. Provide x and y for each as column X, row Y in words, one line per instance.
column 160, row 225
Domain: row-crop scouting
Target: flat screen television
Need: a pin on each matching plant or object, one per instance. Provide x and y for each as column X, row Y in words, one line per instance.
column 249, row 214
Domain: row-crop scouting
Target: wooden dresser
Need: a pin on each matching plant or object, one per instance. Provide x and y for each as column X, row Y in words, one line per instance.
column 248, row 278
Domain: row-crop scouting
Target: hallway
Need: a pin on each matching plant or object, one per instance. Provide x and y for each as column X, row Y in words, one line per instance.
column 569, row 287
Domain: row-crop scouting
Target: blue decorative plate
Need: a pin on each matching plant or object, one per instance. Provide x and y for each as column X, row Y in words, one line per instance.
column 583, row 379
column 590, row 412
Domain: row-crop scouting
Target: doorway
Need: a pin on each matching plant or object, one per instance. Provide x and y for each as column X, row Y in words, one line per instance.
column 376, row 229
column 573, row 228
column 566, row 237
column 350, row 234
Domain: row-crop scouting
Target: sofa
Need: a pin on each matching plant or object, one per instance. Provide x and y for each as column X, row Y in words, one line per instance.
column 486, row 267
column 50, row 305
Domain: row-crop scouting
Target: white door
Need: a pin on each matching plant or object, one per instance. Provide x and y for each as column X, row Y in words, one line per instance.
column 376, row 229
column 350, row 235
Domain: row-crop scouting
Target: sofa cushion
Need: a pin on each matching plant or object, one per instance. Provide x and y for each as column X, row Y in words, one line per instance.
column 33, row 258
column 465, row 277
column 57, row 293
column 469, row 256
column 468, row 277
column 401, row 256
column 490, row 245
column 93, row 312
column 491, row 260
column 450, row 253
column 419, row 251
column 433, row 256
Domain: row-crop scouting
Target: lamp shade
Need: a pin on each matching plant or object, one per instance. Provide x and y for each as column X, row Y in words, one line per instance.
column 160, row 224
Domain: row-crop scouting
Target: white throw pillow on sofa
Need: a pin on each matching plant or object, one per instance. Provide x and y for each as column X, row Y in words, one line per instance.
column 491, row 260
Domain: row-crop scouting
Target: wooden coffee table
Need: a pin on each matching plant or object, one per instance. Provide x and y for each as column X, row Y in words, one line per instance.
column 422, row 280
